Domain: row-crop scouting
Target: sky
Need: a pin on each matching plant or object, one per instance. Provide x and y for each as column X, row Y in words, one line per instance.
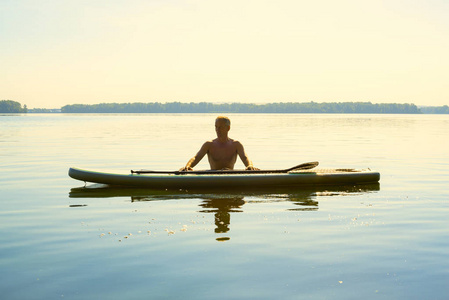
column 59, row 52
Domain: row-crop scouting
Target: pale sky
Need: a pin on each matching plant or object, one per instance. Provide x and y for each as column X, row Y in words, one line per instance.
column 58, row 52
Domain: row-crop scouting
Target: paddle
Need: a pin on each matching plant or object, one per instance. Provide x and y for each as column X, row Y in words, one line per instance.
column 304, row 166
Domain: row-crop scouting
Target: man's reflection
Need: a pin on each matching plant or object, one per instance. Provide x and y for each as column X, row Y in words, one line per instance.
column 222, row 208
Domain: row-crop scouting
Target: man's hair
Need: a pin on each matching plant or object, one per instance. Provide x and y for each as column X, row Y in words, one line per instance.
column 223, row 118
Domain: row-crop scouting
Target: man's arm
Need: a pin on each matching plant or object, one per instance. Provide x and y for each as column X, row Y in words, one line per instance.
column 197, row 158
column 245, row 159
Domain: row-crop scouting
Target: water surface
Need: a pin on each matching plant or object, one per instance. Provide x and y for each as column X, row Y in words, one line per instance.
column 386, row 241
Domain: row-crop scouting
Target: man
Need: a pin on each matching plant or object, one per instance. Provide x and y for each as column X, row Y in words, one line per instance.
column 222, row 152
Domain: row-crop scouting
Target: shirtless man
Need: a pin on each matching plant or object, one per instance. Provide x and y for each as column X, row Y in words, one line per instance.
column 222, row 152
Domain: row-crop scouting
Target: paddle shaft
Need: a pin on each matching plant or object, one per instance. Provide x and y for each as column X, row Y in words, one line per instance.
column 304, row 166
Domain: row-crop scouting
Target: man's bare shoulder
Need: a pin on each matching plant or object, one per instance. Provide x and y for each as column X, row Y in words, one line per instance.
column 207, row 144
column 237, row 143
column 205, row 147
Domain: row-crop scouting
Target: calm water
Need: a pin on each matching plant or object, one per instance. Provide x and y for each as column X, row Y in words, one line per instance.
column 389, row 241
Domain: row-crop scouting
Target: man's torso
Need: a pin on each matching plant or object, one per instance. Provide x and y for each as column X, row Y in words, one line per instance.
column 222, row 155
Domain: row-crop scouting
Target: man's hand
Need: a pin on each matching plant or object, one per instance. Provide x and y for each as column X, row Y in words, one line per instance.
column 251, row 168
column 185, row 169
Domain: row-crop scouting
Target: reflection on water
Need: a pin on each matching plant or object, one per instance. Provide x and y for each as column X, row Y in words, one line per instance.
column 266, row 193
column 222, row 209
column 223, row 203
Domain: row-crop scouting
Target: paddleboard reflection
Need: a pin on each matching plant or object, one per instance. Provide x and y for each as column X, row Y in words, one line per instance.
column 293, row 194
column 223, row 203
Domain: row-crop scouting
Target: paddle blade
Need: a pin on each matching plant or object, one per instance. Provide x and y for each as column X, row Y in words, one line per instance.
column 305, row 166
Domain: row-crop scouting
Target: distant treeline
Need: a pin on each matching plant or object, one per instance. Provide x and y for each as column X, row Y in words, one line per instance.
column 283, row 107
column 9, row 106
column 435, row 109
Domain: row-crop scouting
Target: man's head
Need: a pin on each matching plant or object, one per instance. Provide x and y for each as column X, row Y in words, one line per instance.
column 224, row 119
column 222, row 126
